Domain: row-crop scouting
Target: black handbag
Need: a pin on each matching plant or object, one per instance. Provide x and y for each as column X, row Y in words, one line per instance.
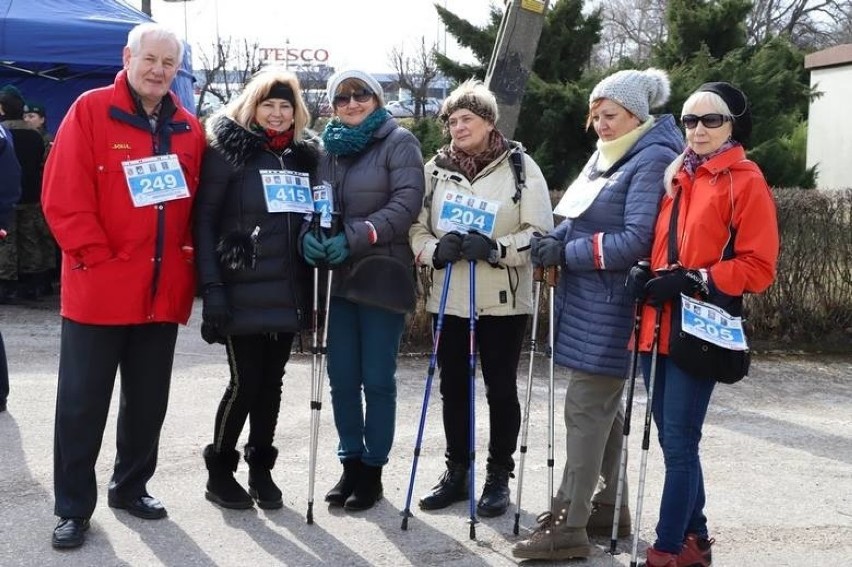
column 695, row 356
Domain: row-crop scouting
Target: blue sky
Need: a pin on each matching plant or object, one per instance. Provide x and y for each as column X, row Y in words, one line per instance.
column 353, row 33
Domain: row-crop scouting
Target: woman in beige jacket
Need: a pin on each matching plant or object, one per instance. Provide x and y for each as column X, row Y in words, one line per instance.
column 476, row 211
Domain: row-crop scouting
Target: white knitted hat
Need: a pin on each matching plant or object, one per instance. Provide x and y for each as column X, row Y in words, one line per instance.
column 366, row 78
column 637, row 91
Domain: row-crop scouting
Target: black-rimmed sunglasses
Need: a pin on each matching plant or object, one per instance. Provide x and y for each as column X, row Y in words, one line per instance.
column 690, row 121
column 360, row 96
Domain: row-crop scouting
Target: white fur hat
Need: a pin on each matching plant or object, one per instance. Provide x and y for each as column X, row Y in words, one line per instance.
column 366, row 78
column 637, row 91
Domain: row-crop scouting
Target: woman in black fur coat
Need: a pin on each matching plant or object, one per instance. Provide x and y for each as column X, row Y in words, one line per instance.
column 255, row 188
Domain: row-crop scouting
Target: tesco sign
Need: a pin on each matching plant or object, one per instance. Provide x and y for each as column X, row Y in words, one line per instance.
column 306, row 56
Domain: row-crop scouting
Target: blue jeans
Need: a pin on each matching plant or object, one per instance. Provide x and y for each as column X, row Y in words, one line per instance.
column 363, row 343
column 679, row 408
column 4, row 372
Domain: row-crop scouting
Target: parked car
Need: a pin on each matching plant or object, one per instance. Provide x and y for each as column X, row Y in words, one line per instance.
column 405, row 108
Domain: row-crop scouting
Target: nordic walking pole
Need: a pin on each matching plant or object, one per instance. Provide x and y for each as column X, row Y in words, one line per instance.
column 538, row 281
column 316, row 403
column 646, row 435
column 430, row 374
column 628, row 413
column 314, row 378
column 472, row 412
column 550, row 276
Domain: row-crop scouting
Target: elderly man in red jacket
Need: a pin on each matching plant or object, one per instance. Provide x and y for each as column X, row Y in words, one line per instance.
column 118, row 191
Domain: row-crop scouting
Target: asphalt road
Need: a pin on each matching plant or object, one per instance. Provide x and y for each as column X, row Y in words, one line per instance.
column 777, row 454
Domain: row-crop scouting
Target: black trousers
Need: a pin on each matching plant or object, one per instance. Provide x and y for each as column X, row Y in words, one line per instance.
column 254, row 392
column 498, row 341
column 4, row 372
column 89, row 357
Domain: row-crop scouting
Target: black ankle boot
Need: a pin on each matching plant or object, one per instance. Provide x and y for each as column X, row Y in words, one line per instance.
column 346, row 485
column 222, row 488
column 368, row 489
column 452, row 487
column 495, row 493
column 261, row 486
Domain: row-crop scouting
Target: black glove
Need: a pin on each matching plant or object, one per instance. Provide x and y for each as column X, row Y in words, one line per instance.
column 639, row 275
column 476, row 246
column 448, row 250
column 671, row 284
column 210, row 334
column 216, row 310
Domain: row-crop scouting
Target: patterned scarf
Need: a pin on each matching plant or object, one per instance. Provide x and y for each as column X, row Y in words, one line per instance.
column 692, row 161
column 470, row 165
column 275, row 140
column 342, row 140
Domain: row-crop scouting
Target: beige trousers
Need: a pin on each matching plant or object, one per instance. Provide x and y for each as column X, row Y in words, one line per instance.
column 594, row 419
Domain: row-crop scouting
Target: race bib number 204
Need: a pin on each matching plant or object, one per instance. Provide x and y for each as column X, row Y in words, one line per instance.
column 466, row 213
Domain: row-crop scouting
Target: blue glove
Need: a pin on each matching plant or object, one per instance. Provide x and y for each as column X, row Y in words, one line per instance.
column 312, row 249
column 336, row 249
column 670, row 284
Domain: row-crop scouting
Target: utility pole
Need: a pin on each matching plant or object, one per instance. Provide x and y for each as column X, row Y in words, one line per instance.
column 512, row 58
column 146, row 7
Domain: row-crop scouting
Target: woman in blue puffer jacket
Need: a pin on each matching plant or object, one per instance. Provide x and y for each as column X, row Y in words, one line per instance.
column 609, row 213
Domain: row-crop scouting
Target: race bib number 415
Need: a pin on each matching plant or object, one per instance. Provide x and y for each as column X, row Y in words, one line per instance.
column 466, row 213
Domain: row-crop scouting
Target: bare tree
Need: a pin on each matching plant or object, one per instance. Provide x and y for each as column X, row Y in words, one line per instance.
column 227, row 68
column 415, row 73
column 631, row 28
column 810, row 24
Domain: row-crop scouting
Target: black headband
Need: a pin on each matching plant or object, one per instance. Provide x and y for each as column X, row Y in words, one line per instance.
column 282, row 91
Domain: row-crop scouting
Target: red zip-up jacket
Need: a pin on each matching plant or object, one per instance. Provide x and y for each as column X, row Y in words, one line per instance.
column 121, row 264
column 728, row 195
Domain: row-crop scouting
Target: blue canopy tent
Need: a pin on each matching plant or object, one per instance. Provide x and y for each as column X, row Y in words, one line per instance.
column 54, row 50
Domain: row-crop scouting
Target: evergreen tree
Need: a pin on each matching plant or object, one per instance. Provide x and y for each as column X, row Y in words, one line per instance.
column 719, row 25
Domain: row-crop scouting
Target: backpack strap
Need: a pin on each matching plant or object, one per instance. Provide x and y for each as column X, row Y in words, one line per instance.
column 516, row 158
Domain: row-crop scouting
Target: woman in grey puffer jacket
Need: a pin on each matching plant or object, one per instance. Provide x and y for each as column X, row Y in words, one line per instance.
column 375, row 169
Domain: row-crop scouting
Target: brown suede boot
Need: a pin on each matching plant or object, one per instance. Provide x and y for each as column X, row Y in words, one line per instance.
column 552, row 540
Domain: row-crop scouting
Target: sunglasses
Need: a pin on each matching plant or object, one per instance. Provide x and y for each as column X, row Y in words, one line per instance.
column 363, row 95
column 690, row 121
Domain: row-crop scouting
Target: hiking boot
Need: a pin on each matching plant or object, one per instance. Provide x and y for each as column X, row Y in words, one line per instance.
column 654, row 558
column 495, row 493
column 368, row 490
column 261, row 486
column 222, row 488
column 452, row 487
column 346, row 485
column 696, row 552
column 552, row 540
column 600, row 520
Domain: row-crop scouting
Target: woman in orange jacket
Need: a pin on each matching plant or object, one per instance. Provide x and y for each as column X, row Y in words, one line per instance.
column 725, row 245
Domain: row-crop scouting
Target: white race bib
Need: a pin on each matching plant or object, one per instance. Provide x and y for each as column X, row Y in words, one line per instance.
column 324, row 203
column 155, row 179
column 579, row 197
column 466, row 213
column 712, row 323
column 287, row 191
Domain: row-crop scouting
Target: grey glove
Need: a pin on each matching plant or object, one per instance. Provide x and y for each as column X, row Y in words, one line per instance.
column 547, row 251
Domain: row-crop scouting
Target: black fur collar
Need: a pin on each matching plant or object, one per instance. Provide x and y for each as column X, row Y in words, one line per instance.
column 238, row 145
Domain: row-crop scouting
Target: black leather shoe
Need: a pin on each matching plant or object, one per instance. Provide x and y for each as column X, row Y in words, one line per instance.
column 452, row 487
column 70, row 533
column 145, row 507
column 495, row 494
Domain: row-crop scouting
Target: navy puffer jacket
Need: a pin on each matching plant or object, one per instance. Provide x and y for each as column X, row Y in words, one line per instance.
column 593, row 309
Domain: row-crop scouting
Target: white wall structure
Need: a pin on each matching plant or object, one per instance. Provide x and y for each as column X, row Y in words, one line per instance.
column 829, row 118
